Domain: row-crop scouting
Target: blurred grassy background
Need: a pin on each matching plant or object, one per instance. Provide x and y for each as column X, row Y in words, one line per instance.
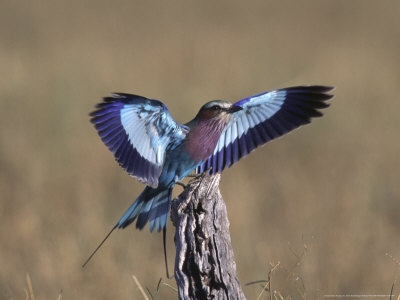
column 333, row 186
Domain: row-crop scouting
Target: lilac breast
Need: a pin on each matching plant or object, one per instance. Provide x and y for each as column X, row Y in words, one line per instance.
column 201, row 141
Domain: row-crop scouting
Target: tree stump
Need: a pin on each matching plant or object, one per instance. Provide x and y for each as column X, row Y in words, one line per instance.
column 204, row 265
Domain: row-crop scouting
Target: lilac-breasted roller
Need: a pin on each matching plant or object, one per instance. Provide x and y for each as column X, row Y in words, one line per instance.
column 152, row 147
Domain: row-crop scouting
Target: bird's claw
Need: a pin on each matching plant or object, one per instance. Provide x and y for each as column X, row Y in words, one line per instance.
column 198, row 177
column 181, row 184
column 193, row 175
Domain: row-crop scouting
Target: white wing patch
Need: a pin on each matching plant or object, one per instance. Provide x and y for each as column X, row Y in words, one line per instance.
column 139, row 135
column 138, row 131
column 264, row 117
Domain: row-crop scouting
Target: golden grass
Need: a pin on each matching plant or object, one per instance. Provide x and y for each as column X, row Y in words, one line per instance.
column 334, row 184
column 140, row 287
column 29, row 293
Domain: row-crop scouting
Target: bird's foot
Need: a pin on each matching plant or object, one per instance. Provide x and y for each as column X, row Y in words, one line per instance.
column 199, row 177
column 194, row 175
column 181, row 184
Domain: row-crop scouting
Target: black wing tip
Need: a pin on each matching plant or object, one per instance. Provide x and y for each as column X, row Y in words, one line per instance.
column 118, row 97
column 115, row 98
column 312, row 88
column 314, row 94
column 126, row 98
column 322, row 88
column 325, row 97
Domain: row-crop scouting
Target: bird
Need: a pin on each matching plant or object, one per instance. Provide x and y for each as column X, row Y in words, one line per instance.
column 155, row 149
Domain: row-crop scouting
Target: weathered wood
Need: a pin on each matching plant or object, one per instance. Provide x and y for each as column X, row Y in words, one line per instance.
column 204, row 265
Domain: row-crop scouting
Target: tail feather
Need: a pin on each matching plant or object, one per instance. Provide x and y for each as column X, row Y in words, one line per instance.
column 158, row 215
column 151, row 206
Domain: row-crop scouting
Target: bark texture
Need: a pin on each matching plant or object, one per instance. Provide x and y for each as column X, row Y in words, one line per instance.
column 204, row 265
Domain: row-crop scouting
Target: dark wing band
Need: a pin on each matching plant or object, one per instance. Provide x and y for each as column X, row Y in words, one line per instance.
column 265, row 117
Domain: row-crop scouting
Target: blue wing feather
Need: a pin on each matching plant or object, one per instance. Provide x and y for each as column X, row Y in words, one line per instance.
column 264, row 117
column 137, row 131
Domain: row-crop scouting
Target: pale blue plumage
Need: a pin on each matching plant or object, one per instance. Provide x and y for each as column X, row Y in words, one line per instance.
column 138, row 131
column 264, row 117
column 152, row 147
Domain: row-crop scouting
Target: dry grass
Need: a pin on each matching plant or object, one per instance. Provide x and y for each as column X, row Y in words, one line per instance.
column 335, row 183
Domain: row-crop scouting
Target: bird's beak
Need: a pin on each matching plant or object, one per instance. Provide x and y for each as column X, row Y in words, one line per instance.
column 233, row 109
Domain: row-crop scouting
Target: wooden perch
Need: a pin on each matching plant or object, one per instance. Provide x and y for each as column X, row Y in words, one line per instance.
column 204, row 265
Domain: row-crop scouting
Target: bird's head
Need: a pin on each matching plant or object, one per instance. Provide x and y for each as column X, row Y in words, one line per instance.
column 217, row 109
column 206, row 128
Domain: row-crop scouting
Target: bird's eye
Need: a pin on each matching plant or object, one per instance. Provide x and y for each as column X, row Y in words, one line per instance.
column 215, row 107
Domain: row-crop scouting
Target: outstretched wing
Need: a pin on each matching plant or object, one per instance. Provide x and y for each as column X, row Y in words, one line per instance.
column 265, row 117
column 138, row 131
